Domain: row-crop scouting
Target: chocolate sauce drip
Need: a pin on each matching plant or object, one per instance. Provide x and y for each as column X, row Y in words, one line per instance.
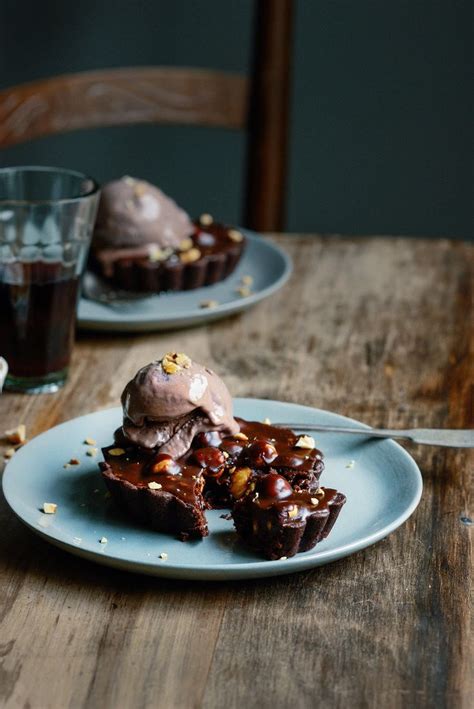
column 135, row 465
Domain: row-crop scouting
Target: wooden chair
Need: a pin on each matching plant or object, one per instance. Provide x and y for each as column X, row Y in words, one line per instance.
column 258, row 104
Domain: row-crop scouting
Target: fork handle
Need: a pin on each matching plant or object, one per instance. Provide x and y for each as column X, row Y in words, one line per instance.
column 456, row 438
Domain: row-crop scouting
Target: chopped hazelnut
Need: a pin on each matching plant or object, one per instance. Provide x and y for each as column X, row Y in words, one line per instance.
column 171, row 367
column 267, row 421
column 314, row 501
column 49, row 508
column 182, row 359
column 174, row 362
column 240, row 436
column 90, row 441
column 247, row 280
column 103, row 540
column 282, row 558
column 239, row 481
column 74, row 461
column 235, row 235
column 116, row 451
column 320, row 493
column 9, row 453
column 186, row 244
column 140, row 189
column 163, row 556
column 350, row 464
column 161, row 466
column 206, row 219
column 166, row 466
column 92, row 452
column 190, row 256
column 16, row 435
column 243, row 291
column 154, row 486
column 293, row 512
column 209, row 304
column 156, row 254
column 305, row 442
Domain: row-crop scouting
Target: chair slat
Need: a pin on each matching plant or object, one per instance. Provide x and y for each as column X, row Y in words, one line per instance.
column 122, row 97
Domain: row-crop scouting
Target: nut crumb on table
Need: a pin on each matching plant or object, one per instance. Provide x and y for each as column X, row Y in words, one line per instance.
column 16, row 435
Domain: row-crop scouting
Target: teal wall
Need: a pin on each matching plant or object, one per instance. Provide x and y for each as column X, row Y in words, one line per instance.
column 381, row 138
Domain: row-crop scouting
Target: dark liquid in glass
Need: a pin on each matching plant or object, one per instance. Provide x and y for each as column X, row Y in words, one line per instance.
column 37, row 317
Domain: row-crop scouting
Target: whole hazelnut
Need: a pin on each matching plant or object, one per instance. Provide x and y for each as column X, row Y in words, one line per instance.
column 261, row 453
column 209, row 438
column 212, row 459
column 275, row 486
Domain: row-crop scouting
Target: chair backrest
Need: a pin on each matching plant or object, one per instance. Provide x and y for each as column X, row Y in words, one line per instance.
column 125, row 96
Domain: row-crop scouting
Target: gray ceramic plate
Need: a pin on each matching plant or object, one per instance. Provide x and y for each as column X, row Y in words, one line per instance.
column 268, row 265
column 383, row 487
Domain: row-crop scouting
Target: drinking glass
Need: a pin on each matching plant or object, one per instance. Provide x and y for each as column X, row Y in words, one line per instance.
column 46, row 220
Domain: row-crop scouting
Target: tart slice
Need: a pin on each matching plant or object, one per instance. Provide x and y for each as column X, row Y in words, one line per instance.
column 257, row 449
column 156, row 490
column 277, row 521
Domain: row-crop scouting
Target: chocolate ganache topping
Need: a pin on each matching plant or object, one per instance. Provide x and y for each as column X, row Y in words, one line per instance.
column 171, row 400
column 133, row 214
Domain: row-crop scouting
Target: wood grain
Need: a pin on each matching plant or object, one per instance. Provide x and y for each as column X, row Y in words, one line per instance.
column 269, row 108
column 379, row 329
column 114, row 97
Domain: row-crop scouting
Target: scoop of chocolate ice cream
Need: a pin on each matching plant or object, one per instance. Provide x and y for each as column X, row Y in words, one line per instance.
column 133, row 213
column 171, row 400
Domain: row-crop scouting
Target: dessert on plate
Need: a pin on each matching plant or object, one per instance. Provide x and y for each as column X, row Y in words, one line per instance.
column 180, row 451
column 144, row 242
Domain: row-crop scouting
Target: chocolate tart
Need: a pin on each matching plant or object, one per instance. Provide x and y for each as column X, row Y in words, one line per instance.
column 170, row 495
column 169, row 500
column 209, row 255
column 257, row 449
column 277, row 521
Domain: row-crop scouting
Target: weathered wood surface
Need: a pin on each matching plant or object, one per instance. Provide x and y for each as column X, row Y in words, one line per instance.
column 380, row 329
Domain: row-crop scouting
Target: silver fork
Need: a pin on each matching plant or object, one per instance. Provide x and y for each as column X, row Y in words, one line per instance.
column 456, row 438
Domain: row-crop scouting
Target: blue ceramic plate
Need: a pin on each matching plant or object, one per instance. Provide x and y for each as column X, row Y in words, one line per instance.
column 383, row 486
column 268, row 265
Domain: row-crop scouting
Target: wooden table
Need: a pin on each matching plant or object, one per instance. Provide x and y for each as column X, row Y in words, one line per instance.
column 379, row 329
